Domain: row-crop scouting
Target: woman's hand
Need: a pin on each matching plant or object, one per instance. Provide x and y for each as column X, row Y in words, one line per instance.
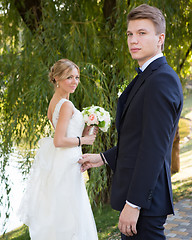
column 87, row 130
column 88, row 139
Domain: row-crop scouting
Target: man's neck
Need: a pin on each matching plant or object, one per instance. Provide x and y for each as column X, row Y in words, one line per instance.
column 146, row 64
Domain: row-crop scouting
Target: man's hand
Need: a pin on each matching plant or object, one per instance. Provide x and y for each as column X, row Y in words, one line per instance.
column 128, row 220
column 90, row 161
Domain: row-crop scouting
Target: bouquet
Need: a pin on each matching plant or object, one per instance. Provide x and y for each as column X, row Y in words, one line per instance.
column 97, row 116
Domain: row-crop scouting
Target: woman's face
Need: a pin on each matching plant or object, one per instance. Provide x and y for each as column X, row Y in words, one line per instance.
column 69, row 84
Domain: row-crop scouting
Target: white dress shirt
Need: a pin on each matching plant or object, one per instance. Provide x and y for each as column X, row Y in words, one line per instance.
column 146, row 64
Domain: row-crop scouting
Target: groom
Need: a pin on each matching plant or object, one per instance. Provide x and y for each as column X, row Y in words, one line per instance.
column 147, row 116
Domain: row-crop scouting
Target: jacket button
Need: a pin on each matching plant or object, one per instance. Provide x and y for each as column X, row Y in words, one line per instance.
column 150, row 195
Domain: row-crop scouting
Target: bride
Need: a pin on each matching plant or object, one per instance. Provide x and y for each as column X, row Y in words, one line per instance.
column 55, row 204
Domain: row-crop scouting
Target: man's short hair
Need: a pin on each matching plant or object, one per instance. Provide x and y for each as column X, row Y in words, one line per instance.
column 145, row 11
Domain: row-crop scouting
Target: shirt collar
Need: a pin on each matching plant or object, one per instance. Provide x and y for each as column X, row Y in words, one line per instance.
column 146, row 64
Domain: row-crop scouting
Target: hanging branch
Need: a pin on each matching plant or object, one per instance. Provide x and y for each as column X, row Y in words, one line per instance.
column 185, row 58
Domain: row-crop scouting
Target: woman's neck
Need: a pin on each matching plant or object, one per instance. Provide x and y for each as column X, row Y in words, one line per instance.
column 61, row 95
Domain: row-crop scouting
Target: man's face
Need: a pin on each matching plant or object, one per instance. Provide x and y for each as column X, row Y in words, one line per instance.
column 143, row 42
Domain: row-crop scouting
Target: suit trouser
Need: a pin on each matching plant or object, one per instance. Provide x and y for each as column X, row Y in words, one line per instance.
column 148, row 228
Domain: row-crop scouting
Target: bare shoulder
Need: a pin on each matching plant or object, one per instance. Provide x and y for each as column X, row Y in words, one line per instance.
column 67, row 109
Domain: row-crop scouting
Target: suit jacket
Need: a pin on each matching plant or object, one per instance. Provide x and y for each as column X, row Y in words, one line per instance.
column 147, row 116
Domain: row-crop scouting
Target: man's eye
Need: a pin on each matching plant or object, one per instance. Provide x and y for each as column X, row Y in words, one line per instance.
column 129, row 34
column 142, row 33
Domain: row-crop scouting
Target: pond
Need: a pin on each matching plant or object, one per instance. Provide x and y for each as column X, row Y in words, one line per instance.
column 17, row 184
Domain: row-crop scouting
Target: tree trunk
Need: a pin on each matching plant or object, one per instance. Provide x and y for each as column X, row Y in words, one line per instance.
column 108, row 13
column 108, row 8
column 175, row 162
column 33, row 7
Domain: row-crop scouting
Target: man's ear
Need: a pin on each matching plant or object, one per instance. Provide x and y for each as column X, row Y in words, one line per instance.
column 161, row 39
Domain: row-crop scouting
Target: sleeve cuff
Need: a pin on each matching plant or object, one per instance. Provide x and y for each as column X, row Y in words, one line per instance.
column 103, row 158
column 133, row 205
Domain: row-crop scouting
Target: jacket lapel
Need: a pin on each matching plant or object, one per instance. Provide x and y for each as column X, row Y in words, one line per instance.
column 141, row 79
column 122, row 101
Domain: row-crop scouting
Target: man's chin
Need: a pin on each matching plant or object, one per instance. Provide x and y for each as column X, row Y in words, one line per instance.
column 134, row 56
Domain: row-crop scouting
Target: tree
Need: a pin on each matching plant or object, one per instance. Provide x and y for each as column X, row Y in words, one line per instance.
column 35, row 34
column 175, row 163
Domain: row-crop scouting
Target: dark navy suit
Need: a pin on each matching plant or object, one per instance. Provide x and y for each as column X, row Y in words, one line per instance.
column 147, row 116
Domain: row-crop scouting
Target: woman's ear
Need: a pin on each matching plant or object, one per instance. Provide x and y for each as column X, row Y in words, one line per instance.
column 56, row 78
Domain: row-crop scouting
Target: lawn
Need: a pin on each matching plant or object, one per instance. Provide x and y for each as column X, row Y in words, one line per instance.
column 182, row 181
column 107, row 219
column 17, row 234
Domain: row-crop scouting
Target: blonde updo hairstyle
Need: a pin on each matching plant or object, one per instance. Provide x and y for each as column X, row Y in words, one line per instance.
column 61, row 69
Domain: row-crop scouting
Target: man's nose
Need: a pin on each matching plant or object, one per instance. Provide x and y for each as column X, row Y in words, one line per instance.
column 133, row 39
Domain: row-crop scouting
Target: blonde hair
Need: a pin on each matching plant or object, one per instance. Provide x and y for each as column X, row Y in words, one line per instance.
column 61, row 69
column 145, row 11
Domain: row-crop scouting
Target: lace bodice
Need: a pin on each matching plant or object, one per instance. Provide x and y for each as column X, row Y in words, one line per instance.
column 76, row 124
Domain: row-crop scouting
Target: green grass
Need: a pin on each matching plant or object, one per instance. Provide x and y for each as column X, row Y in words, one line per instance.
column 184, row 128
column 20, row 233
column 182, row 189
column 182, row 181
column 186, row 147
column 107, row 222
column 187, row 106
column 107, row 219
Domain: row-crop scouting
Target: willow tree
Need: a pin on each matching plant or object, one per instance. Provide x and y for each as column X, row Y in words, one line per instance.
column 35, row 34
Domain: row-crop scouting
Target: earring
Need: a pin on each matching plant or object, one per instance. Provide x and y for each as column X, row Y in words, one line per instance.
column 57, row 84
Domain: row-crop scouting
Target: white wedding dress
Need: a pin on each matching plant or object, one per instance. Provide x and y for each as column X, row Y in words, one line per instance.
column 55, row 204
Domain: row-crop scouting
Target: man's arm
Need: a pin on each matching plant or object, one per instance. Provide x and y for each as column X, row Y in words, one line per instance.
column 161, row 108
column 111, row 157
column 97, row 160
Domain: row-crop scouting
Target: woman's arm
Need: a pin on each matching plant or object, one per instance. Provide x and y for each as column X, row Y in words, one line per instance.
column 60, row 138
